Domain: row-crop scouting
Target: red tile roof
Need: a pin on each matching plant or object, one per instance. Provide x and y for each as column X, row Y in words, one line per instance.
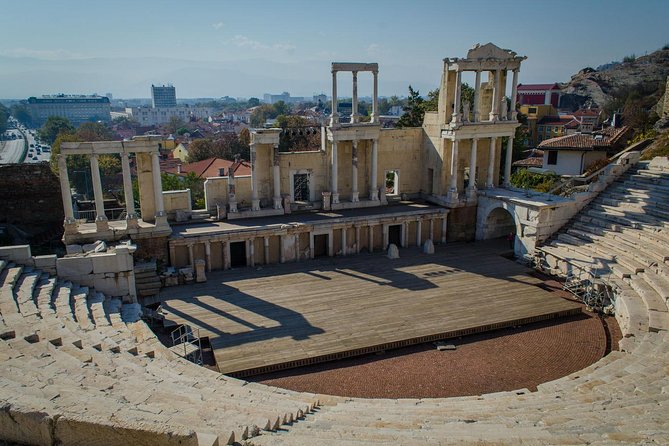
column 600, row 140
column 211, row 167
column 533, row 161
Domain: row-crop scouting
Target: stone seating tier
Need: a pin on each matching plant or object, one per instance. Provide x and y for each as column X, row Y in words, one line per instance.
column 81, row 368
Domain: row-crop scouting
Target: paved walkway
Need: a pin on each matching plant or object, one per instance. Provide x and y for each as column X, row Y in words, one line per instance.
column 290, row 315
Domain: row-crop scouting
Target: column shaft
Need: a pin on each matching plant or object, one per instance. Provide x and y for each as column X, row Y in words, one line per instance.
column 375, row 98
column 266, row 248
column 507, row 162
column 334, row 174
column 472, row 164
column 494, row 110
column 255, row 202
column 157, row 185
column 127, row 187
column 514, row 93
column 191, row 258
column 458, row 94
column 276, row 176
column 343, row 242
column 370, row 238
column 334, row 117
column 418, row 233
column 454, row 167
column 354, row 173
column 374, row 187
column 444, row 222
column 491, row 165
column 354, row 99
column 477, row 96
column 65, row 191
column 207, row 255
column 97, row 189
column 357, row 239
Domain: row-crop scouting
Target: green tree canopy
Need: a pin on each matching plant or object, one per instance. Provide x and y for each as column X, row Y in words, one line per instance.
column 413, row 111
column 21, row 112
column 54, row 126
column 4, row 115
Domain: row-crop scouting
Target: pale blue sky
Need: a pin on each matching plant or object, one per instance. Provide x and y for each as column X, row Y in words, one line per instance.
column 247, row 48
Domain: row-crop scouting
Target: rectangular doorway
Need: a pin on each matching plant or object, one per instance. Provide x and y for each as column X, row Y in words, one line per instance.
column 320, row 245
column 395, row 235
column 301, row 187
column 237, row 254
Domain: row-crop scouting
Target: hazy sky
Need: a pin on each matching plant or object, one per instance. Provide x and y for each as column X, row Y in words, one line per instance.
column 247, row 48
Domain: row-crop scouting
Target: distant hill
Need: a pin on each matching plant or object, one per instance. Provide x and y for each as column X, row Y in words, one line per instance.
column 596, row 87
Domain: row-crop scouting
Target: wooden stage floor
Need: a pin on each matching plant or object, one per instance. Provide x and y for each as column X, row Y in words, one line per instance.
column 281, row 316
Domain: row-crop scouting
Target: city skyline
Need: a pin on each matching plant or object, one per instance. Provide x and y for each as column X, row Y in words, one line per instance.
column 214, row 49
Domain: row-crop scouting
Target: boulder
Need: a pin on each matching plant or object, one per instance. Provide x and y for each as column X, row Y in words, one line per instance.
column 393, row 252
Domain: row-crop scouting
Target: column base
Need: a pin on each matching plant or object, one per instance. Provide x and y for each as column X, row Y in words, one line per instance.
column 471, row 193
column 452, row 196
column 101, row 223
column 506, row 185
column 489, row 186
column 70, row 226
column 493, row 118
column 255, row 205
column 161, row 220
column 131, row 222
column 374, row 194
column 355, row 197
column 335, row 198
column 278, row 203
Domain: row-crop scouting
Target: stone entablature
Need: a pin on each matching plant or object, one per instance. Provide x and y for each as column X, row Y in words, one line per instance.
column 153, row 221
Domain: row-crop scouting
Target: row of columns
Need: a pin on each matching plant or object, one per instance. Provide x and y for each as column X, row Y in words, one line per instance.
column 100, row 216
column 276, row 178
column 334, row 172
column 355, row 116
column 250, row 243
column 496, row 97
column 490, row 177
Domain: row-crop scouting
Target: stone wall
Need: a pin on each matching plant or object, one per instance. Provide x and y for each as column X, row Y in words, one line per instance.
column 177, row 200
column 30, row 195
column 152, row 248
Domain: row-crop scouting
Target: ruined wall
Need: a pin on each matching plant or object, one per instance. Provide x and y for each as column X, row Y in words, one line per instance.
column 176, row 200
column 401, row 149
column 152, row 248
column 216, row 191
column 30, row 195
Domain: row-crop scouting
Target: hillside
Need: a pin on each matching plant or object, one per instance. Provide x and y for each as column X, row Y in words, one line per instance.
column 595, row 87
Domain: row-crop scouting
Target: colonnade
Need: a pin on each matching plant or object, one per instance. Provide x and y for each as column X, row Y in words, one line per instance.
column 373, row 174
column 425, row 227
column 496, row 100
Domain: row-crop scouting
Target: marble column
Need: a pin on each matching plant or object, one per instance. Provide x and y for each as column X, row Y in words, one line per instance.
column 334, row 174
column 252, row 254
column 226, row 255
column 255, row 202
column 507, row 162
column 334, row 117
column 191, row 257
column 357, row 239
column 354, row 99
column 374, row 187
column 432, row 229
column 232, row 191
column 494, row 111
column 477, row 97
column 65, row 192
column 471, row 187
column 385, row 237
column 276, row 176
column 131, row 216
column 344, row 248
column 490, row 180
column 453, row 188
column 375, row 98
column 100, row 217
column 418, row 232
column 282, row 248
column 266, row 250
column 207, row 255
column 354, row 173
column 444, row 223
column 161, row 218
column 458, row 93
column 370, row 238
column 514, row 94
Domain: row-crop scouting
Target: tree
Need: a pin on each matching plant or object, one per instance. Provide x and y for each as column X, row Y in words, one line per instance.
column 94, row 131
column 200, row 149
column 4, row 115
column 125, row 123
column 54, row 126
column 253, row 102
column 173, row 124
column 414, row 110
column 432, row 102
column 22, row 114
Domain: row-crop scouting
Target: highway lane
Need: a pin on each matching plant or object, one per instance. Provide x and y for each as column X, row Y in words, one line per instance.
column 11, row 150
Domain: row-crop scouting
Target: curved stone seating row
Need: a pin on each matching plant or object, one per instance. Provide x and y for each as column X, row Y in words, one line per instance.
column 621, row 399
column 76, row 366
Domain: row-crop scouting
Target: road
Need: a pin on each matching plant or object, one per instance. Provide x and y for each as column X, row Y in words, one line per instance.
column 11, row 150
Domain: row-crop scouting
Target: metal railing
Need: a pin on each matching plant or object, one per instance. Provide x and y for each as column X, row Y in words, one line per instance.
column 189, row 340
column 111, row 213
column 592, row 286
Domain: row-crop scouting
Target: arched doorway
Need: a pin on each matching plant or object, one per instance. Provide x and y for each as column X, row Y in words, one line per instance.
column 499, row 223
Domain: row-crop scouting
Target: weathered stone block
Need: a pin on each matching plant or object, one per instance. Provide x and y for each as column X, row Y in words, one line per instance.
column 428, row 247
column 74, row 266
column 74, row 249
column 26, row 427
column 393, row 252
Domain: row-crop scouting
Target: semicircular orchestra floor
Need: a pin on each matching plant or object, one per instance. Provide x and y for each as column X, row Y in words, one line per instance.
column 507, row 359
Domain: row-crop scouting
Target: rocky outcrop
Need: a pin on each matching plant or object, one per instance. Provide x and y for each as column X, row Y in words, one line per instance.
column 595, row 87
